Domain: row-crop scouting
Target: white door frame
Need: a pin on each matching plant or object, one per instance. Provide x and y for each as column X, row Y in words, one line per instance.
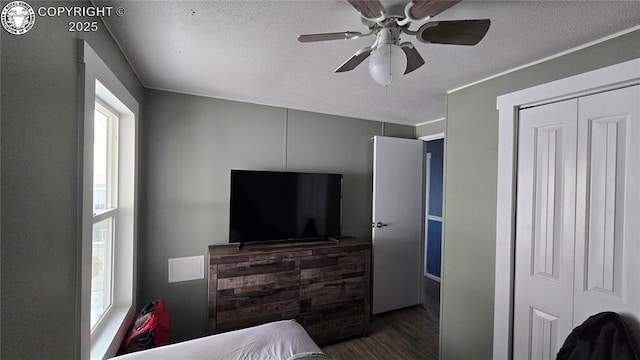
column 432, row 137
column 425, row 216
column 427, row 180
column 608, row 78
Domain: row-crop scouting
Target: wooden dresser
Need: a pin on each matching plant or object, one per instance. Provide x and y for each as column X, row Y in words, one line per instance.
column 324, row 285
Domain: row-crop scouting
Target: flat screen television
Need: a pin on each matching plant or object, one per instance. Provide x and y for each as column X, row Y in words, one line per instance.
column 274, row 206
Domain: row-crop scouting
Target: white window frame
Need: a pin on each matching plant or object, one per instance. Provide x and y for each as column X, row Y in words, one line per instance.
column 111, row 211
column 113, row 132
column 509, row 105
column 97, row 81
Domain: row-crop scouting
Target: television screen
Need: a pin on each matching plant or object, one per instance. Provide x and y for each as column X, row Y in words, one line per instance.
column 269, row 205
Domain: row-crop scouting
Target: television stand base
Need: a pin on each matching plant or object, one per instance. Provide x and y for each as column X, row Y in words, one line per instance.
column 240, row 245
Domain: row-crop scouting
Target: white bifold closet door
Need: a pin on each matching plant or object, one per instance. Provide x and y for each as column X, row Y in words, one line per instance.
column 607, row 276
column 543, row 308
column 577, row 232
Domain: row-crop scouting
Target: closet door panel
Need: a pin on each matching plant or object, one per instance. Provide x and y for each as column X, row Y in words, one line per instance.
column 607, row 273
column 545, row 223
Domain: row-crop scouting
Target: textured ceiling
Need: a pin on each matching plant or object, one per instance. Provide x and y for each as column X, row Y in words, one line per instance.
column 247, row 51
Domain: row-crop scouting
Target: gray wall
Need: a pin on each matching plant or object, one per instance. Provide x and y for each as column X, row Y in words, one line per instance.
column 430, row 128
column 39, row 184
column 192, row 142
column 401, row 131
column 470, row 193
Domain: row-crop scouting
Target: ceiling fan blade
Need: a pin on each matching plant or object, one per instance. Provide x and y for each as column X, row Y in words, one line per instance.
column 414, row 60
column 457, row 32
column 430, row 8
column 355, row 60
column 330, row 36
column 371, row 9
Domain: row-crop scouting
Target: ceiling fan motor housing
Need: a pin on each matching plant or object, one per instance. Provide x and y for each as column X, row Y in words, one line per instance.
column 388, row 35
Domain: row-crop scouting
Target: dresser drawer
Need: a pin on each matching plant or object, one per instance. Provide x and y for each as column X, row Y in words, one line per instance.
column 257, row 314
column 322, row 296
column 255, row 292
column 332, row 266
column 334, row 321
column 334, row 309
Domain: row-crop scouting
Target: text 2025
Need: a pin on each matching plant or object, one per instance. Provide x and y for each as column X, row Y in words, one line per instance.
column 83, row 26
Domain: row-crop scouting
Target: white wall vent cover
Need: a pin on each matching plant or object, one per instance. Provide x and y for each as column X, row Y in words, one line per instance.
column 186, row 268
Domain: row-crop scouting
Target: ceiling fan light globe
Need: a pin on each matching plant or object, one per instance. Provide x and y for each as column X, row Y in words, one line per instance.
column 387, row 63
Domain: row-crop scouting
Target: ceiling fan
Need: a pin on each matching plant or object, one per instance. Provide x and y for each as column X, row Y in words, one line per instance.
column 389, row 57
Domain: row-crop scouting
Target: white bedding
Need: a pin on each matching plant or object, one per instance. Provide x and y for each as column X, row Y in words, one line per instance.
column 277, row 340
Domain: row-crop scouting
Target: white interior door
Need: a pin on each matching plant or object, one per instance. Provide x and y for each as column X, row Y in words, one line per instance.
column 608, row 214
column 398, row 169
column 543, row 299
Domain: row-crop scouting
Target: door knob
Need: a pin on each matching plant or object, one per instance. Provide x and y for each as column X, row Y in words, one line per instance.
column 379, row 224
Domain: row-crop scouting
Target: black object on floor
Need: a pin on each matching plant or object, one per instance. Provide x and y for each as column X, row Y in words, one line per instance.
column 601, row 336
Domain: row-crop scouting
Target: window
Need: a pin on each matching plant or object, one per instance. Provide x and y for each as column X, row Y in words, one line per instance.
column 108, row 208
column 105, row 209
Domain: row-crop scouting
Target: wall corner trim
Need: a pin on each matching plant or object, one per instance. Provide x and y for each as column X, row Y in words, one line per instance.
column 429, row 122
column 577, row 48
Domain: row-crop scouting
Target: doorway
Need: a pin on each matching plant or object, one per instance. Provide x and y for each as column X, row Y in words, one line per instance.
column 434, row 171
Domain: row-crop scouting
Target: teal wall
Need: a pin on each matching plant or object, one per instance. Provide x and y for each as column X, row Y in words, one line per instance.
column 39, row 183
column 190, row 145
column 470, row 193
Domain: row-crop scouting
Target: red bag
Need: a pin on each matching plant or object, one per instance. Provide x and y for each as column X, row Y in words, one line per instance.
column 152, row 328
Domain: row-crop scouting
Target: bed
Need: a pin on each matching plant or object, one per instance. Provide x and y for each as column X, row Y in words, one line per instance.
column 281, row 340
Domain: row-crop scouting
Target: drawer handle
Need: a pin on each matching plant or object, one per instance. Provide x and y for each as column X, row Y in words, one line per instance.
column 267, row 264
column 338, row 284
column 265, row 293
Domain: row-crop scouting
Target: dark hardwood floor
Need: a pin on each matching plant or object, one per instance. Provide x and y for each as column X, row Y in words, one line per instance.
column 431, row 296
column 406, row 334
